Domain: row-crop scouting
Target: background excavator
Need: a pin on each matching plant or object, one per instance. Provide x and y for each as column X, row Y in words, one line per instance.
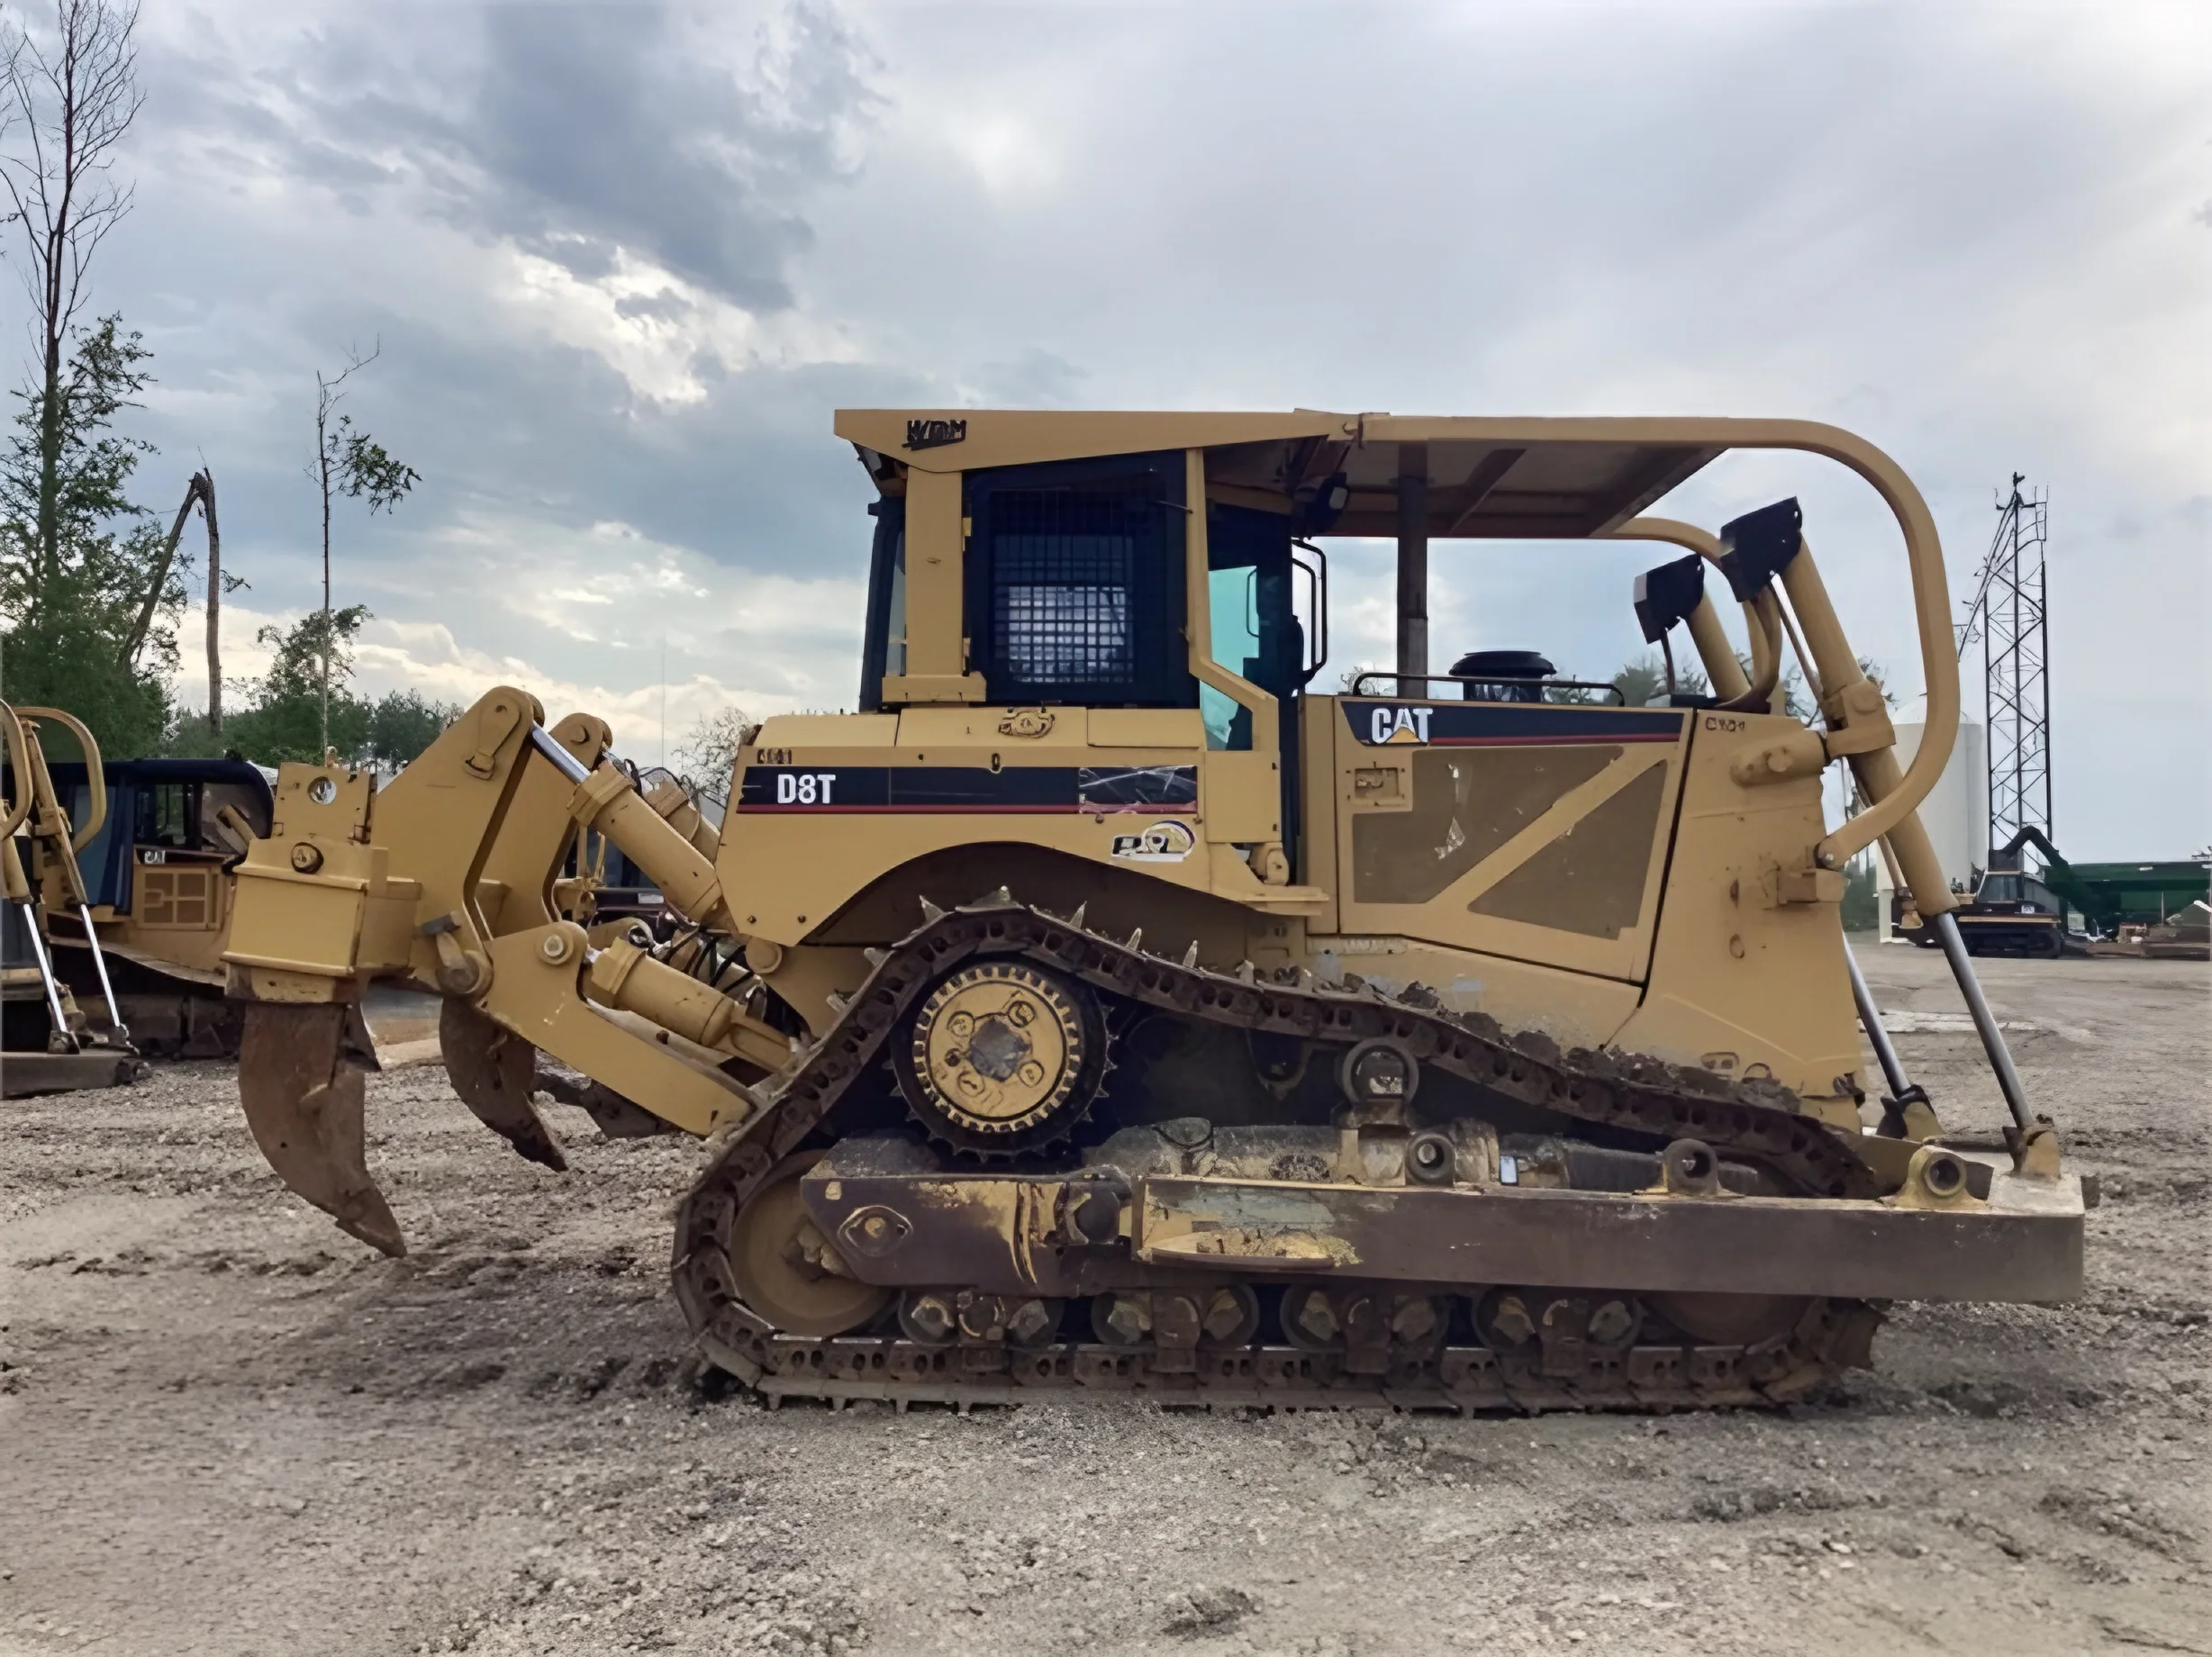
column 2011, row 910
column 1100, row 1006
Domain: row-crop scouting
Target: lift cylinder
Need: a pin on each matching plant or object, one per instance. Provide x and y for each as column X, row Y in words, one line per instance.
column 606, row 804
column 624, row 977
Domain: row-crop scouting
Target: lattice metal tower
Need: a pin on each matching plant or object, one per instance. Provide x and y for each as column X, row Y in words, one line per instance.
column 2009, row 616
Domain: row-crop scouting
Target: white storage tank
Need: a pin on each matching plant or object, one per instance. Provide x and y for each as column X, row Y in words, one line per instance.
column 1955, row 813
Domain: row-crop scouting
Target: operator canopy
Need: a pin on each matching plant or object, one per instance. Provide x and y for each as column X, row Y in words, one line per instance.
column 1484, row 479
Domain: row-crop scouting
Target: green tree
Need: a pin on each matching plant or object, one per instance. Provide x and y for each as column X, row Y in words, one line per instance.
column 1862, row 903
column 1643, row 680
column 88, row 593
column 401, row 725
column 80, row 558
column 288, row 717
column 301, row 708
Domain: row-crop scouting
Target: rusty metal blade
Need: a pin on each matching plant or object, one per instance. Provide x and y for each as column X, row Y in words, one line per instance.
column 302, row 1097
column 494, row 1070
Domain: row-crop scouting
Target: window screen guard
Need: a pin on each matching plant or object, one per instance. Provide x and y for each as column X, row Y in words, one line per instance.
column 1060, row 610
column 1075, row 583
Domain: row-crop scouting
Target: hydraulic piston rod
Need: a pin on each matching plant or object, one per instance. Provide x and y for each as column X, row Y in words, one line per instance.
column 566, row 762
column 608, row 803
column 1985, row 1022
column 1870, row 1018
column 46, row 977
column 1903, row 1094
column 99, row 962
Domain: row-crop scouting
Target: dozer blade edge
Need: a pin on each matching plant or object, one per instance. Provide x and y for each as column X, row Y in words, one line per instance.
column 303, row 1093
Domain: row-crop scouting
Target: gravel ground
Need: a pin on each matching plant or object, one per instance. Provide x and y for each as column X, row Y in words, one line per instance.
column 225, row 1427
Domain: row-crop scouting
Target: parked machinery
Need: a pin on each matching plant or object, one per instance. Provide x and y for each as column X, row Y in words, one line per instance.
column 157, row 880
column 48, row 1045
column 2010, row 910
column 1102, row 1006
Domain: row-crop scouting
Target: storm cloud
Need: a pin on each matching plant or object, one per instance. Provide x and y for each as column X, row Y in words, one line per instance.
column 624, row 260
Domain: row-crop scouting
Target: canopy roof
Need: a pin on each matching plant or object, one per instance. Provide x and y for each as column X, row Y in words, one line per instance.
column 1486, row 478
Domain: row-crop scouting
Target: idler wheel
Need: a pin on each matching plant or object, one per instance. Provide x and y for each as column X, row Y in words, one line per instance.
column 787, row 1271
column 1002, row 1056
column 1731, row 1319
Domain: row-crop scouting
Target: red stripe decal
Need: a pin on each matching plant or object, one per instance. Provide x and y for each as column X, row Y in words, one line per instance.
column 969, row 811
column 1517, row 742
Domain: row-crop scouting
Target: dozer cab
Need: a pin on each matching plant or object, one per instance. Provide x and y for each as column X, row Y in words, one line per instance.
column 1102, row 1005
column 157, row 888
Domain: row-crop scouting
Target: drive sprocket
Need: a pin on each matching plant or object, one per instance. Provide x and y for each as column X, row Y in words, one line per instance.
column 1002, row 1056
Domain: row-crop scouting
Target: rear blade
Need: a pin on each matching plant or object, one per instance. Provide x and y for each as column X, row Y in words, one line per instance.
column 494, row 1070
column 303, row 1096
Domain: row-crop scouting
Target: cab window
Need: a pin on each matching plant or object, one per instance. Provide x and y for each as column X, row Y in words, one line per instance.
column 1254, row 621
column 882, row 645
column 1076, row 584
column 169, row 815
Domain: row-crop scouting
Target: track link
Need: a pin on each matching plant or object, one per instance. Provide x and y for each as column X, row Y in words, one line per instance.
column 1465, row 1379
column 1752, row 1119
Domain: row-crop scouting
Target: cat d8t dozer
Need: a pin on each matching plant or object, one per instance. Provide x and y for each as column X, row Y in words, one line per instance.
column 1102, row 1006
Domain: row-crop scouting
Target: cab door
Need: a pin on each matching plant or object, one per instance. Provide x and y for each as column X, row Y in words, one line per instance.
column 1535, row 831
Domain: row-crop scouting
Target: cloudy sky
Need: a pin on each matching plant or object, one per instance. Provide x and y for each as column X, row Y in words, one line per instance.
column 624, row 260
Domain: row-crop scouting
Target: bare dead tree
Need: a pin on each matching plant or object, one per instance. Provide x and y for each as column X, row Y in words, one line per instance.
column 74, row 97
column 350, row 462
column 132, row 643
column 218, row 583
column 200, row 493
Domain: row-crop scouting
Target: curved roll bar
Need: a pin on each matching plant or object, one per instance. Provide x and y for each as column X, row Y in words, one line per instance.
column 1889, row 806
column 13, row 811
column 96, row 779
column 1931, row 589
column 1931, row 594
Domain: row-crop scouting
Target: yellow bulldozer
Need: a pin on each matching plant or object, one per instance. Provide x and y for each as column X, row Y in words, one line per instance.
column 1102, row 1006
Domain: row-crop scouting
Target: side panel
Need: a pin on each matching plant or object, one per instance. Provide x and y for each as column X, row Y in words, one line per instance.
column 1741, row 983
column 1576, row 1009
column 824, row 806
column 180, row 904
column 1535, row 832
